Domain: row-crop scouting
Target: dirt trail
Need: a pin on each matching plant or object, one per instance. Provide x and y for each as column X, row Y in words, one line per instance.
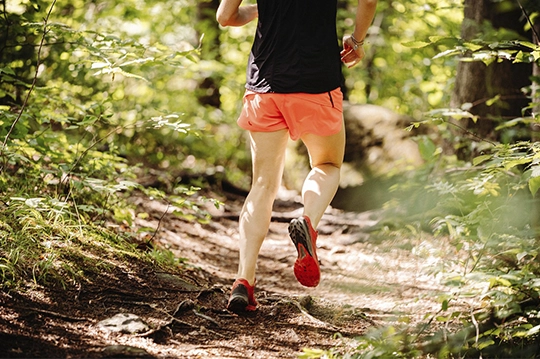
column 365, row 281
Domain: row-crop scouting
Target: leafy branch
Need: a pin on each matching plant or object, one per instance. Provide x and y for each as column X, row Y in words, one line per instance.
column 34, row 80
column 533, row 28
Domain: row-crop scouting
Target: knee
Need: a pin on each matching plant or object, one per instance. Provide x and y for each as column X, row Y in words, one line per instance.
column 327, row 164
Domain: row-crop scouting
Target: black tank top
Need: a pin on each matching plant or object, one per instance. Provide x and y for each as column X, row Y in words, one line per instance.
column 295, row 47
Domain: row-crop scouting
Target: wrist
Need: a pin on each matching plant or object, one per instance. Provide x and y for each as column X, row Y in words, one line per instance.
column 357, row 43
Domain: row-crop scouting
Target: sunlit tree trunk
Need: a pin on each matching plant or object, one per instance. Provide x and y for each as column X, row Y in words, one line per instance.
column 477, row 83
column 208, row 93
column 536, row 76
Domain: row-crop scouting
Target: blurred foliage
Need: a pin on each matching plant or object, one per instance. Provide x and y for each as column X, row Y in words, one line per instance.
column 396, row 73
column 142, row 76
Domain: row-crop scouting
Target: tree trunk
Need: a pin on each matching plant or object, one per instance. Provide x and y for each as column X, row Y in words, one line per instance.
column 477, row 83
column 536, row 76
column 208, row 91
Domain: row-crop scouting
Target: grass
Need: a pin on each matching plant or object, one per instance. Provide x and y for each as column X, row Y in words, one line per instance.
column 46, row 241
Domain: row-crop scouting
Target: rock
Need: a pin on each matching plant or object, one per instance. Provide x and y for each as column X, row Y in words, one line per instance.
column 378, row 145
column 176, row 281
column 124, row 323
column 292, row 336
column 125, row 351
column 377, row 141
column 370, row 194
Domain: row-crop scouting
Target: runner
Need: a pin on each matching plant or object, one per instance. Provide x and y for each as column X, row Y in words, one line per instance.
column 292, row 90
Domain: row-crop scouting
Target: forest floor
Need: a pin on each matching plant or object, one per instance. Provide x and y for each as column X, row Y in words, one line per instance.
column 367, row 281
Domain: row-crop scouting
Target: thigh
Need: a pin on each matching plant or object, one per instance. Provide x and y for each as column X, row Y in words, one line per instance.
column 325, row 149
column 268, row 155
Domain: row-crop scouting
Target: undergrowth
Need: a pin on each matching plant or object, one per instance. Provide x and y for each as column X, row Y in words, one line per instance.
column 65, row 176
column 488, row 213
column 60, row 232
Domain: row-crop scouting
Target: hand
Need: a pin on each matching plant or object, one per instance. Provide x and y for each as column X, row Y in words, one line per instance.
column 350, row 56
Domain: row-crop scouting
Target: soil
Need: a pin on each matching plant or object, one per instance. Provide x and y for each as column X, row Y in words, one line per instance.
column 367, row 281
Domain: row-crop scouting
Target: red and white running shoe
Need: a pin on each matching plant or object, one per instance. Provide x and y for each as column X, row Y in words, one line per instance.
column 304, row 237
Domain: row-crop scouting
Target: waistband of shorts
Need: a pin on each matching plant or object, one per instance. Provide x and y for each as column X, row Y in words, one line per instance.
column 251, row 92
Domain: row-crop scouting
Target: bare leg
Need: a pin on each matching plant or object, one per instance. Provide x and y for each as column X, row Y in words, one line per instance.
column 268, row 154
column 326, row 157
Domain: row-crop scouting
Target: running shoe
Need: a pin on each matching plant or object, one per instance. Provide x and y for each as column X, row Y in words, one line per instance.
column 242, row 297
column 304, row 237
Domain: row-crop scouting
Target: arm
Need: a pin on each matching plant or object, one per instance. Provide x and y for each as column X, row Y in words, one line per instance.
column 230, row 13
column 353, row 52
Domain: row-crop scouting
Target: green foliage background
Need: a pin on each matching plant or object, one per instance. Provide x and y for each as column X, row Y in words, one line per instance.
column 111, row 63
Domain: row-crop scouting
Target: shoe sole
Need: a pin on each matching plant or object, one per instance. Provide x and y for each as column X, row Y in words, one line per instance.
column 237, row 304
column 239, row 301
column 306, row 266
column 299, row 233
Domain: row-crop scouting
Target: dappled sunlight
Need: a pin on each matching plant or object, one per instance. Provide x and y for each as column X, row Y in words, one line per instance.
column 382, row 276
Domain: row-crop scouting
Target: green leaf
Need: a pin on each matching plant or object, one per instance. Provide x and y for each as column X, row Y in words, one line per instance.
column 487, row 57
column 472, row 46
column 533, row 330
column 99, row 65
column 491, row 101
column 480, row 159
column 522, row 57
column 513, row 163
column 416, row 44
column 451, row 52
column 34, row 202
column 138, row 61
column 528, row 44
column 515, row 122
column 427, row 148
column 445, row 305
column 444, row 40
column 7, row 70
column 485, row 343
column 453, row 112
column 521, row 255
column 534, row 185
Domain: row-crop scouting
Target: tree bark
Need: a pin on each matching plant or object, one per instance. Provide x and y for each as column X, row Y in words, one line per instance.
column 208, row 91
column 536, row 76
column 477, row 83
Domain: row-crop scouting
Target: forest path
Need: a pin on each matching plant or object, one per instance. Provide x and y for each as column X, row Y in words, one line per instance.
column 367, row 280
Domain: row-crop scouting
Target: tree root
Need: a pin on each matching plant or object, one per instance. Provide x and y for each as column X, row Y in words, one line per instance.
column 304, row 311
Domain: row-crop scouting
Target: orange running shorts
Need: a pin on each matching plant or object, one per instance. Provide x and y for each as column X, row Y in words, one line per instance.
column 319, row 114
